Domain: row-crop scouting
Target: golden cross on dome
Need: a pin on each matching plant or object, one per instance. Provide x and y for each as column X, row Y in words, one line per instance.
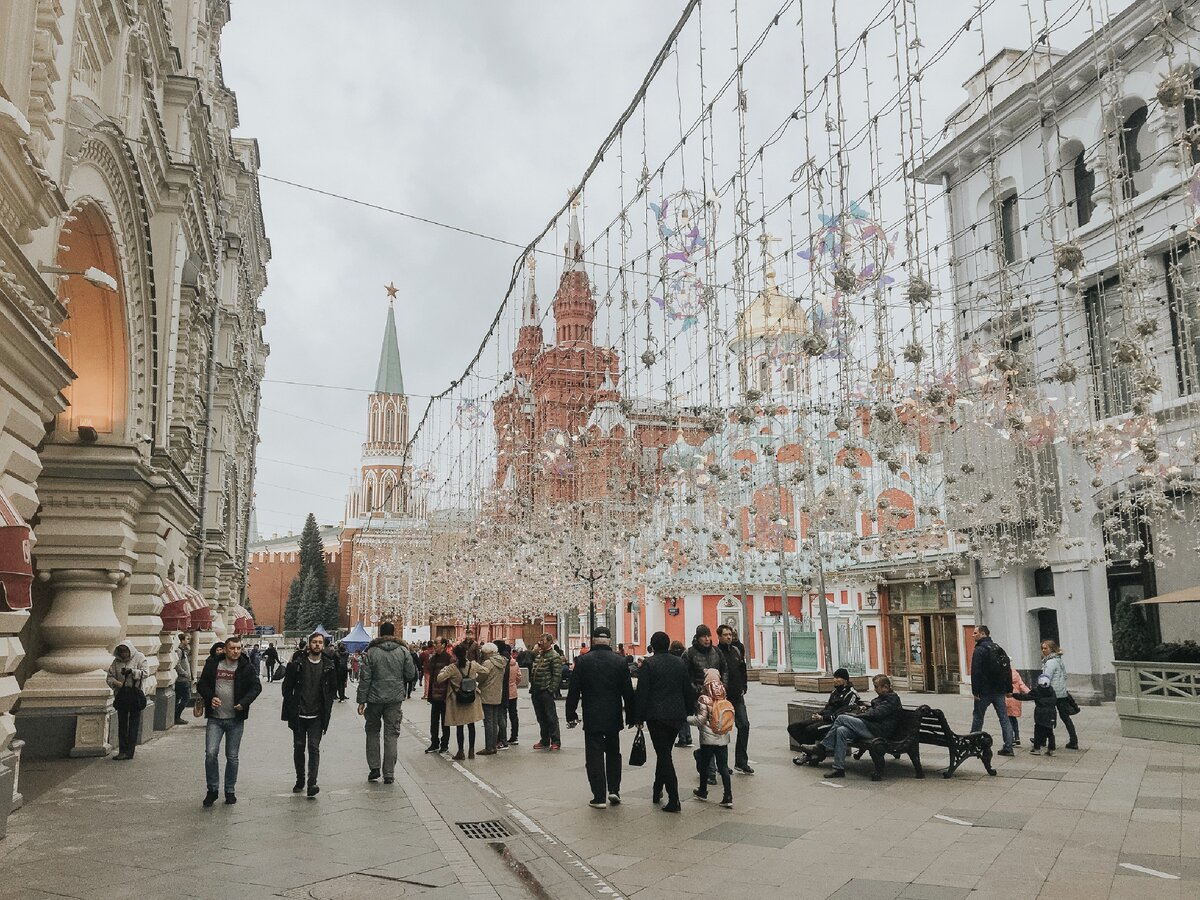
column 392, row 290
column 531, row 262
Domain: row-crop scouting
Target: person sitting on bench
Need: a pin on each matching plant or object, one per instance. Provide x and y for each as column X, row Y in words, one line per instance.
column 877, row 721
column 842, row 699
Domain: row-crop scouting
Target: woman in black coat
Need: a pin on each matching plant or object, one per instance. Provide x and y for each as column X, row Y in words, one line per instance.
column 664, row 699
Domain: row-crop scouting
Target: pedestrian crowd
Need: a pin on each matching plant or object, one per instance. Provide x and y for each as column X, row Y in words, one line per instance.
column 471, row 683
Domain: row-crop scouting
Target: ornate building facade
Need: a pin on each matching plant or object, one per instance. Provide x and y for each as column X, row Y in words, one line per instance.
column 132, row 257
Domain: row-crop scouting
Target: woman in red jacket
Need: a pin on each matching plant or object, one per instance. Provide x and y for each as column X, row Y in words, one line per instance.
column 435, row 693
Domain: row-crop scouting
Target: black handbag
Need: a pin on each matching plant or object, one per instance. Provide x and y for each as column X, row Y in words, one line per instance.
column 1069, row 704
column 129, row 698
column 637, row 753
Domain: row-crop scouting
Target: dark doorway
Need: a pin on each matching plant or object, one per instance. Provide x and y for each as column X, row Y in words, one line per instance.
column 1047, row 625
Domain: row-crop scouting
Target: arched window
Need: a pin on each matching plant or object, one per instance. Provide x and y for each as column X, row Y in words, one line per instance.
column 764, row 375
column 368, row 496
column 789, row 379
column 1085, row 184
column 1130, row 155
column 389, row 424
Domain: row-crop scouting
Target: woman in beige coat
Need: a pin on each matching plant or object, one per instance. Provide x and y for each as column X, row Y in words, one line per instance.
column 459, row 714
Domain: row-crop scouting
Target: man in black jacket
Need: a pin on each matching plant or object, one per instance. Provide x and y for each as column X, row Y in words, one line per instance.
column 735, row 690
column 843, row 698
column 602, row 679
column 664, row 699
column 991, row 682
column 310, row 684
column 228, row 686
column 698, row 657
column 877, row 721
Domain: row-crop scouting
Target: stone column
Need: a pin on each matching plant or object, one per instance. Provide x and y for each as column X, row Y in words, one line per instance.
column 67, row 703
column 143, row 625
column 1168, row 170
column 1101, row 161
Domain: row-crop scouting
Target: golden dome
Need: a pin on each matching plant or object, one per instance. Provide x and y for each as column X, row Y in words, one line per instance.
column 772, row 314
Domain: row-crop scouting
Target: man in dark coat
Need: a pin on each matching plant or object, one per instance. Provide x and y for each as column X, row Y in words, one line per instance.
column 602, row 679
column 271, row 656
column 735, row 691
column 228, row 686
column 309, row 688
column 990, row 685
column 703, row 655
column 343, row 671
column 664, row 699
column 843, row 698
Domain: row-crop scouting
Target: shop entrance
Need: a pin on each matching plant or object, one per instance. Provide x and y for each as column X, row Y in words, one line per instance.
column 923, row 650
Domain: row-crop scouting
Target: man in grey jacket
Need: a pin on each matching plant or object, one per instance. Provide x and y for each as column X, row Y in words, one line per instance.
column 384, row 673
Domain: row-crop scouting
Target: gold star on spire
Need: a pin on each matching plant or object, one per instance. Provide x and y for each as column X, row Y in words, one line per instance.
column 392, row 290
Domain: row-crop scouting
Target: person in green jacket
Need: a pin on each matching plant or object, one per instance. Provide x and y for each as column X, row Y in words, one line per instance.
column 543, row 682
column 384, row 673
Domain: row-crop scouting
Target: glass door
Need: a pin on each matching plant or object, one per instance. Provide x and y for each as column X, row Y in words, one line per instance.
column 945, row 659
column 915, row 642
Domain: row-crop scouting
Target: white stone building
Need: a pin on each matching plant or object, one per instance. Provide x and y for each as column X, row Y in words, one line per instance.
column 132, row 257
column 1099, row 358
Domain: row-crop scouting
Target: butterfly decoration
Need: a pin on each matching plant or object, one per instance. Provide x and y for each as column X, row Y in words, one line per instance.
column 683, row 299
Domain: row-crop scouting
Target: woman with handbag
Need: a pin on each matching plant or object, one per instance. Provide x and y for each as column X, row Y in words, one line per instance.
column 463, row 705
column 125, row 677
column 664, row 699
column 1054, row 669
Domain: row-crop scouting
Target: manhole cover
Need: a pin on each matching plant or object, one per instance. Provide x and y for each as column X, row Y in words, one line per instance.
column 484, row 831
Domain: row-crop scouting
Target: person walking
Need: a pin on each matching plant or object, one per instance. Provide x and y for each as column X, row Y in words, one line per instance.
column 463, row 706
column 271, row 657
column 991, row 682
column 736, row 684
column 228, row 685
column 343, row 671
column 601, row 679
column 1012, row 704
column 385, row 670
column 126, row 675
column 1045, row 709
column 255, row 653
column 663, row 700
column 435, row 693
column 1055, row 669
column 309, row 687
column 183, row 677
column 714, row 719
column 492, row 688
column 411, row 684
column 544, row 677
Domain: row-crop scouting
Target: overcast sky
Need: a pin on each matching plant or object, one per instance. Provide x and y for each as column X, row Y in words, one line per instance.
column 480, row 115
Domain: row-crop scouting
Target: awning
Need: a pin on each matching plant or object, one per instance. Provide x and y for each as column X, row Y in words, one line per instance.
column 1187, row 595
column 357, row 640
column 198, row 608
column 243, row 622
column 175, row 615
column 16, row 561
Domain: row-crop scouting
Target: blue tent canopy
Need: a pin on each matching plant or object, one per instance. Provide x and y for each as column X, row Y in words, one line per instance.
column 356, row 641
column 320, row 629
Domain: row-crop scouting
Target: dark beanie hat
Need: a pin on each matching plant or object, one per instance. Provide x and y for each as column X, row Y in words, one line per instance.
column 660, row 642
column 842, row 673
column 702, row 630
column 387, row 629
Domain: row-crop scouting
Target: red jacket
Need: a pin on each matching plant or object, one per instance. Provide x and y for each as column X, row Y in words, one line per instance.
column 434, row 690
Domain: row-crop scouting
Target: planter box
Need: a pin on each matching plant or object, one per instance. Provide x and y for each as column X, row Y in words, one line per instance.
column 1159, row 701
column 754, row 674
column 816, row 683
column 780, row 679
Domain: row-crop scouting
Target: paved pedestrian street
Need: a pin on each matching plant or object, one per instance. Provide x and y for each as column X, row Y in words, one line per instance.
column 1121, row 818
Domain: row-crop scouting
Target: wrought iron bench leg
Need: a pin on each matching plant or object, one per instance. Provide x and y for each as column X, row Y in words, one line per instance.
column 986, row 757
column 915, row 756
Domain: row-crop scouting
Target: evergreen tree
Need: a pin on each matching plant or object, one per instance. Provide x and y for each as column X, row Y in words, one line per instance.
column 311, row 603
column 291, row 611
column 1131, row 634
column 329, row 610
column 312, row 553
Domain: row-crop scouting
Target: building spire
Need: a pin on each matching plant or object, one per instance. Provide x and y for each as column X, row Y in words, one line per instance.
column 574, row 249
column 530, row 312
column 390, row 380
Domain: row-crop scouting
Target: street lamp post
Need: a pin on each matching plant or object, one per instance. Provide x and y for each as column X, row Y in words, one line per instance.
column 591, row 578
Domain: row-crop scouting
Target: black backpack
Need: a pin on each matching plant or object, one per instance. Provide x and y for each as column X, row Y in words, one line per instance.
column 999, row 666
column 465, row 694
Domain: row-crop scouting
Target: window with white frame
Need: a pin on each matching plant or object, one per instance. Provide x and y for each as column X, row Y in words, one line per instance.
column 1191, row 120
column 1085, row 185
column 1008, row 226
column 1130, row 146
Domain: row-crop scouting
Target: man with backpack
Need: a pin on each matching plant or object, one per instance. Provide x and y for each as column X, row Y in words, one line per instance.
column 602, row 680
column 991, row 682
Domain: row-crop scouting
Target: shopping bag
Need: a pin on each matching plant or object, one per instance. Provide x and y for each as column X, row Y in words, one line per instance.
column 637, row 753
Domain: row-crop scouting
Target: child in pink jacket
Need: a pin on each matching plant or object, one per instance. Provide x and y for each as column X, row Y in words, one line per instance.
column 1013, row 706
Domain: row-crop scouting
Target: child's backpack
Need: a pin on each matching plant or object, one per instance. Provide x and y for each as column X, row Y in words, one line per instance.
column 720, row 717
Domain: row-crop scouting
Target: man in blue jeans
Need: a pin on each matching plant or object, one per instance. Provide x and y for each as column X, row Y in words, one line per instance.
column 228, row 685
column 877, row 721
column 990, row 684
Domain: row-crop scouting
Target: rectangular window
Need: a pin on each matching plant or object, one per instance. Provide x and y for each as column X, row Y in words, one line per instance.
column 1009, row 227
column 1021, row 346
column 1085, row 186
column 1112, row 379
column 1183, row 300
column 1191, row 120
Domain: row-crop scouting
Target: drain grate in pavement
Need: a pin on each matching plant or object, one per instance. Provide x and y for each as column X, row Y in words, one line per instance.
column 484, row 831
